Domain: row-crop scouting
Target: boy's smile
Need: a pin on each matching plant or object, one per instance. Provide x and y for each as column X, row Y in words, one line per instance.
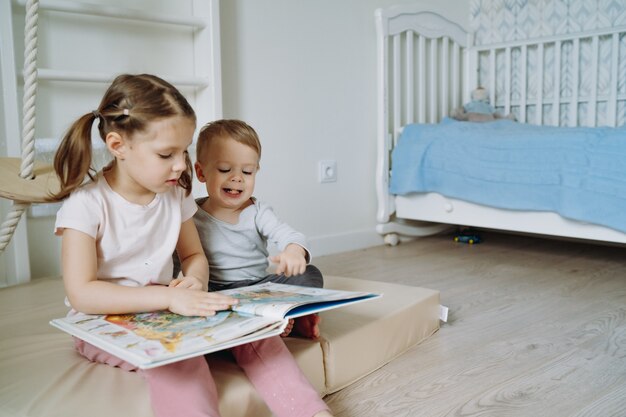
column 232, row 191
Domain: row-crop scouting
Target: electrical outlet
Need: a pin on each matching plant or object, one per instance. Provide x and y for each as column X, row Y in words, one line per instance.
column 328, row 171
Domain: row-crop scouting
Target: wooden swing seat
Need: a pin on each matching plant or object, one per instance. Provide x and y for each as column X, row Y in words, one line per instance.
column 36, row 190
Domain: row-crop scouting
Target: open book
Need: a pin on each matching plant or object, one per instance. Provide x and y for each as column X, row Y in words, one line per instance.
column 148, row 340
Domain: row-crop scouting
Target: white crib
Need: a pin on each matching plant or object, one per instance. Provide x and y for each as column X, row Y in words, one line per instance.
column 427, row 64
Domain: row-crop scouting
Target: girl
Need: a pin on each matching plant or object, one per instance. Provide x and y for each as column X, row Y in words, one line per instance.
column 120, row 228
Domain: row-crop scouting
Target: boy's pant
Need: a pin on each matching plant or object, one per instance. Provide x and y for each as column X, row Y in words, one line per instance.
column 312, row 277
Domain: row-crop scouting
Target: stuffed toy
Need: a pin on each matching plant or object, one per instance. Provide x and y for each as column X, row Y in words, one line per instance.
column 479, row 109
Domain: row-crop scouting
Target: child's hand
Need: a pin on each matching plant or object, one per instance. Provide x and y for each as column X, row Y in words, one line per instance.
column 190, row 282
column 291, row 261
column 198, row 303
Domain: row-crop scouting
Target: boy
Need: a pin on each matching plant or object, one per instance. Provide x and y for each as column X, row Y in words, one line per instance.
column 234, row 227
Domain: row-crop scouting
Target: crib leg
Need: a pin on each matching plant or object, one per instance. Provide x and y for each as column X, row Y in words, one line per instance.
column 391, row 239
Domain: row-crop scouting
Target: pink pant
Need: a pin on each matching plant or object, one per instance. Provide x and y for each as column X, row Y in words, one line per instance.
column 187, row 389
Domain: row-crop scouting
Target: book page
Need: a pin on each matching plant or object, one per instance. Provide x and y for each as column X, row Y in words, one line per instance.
column 277, row 300
column 158, row 337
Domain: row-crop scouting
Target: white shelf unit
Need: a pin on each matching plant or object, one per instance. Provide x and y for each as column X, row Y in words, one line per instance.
column 201, row 84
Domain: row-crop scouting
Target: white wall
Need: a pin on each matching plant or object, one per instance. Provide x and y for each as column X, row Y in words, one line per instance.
column 303, row 74
column 4, row 205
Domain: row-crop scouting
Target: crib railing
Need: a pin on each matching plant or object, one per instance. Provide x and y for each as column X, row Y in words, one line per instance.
column 423, row 72
column 567, row 80
column 425, row 67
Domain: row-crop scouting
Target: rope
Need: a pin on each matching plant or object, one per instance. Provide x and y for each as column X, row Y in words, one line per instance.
column 28, row 119
column 30, row 89
column 10, row 223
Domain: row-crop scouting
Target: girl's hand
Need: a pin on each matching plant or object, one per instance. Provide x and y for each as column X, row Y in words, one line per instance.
column 291, row 261
column 198, row 303
column 190, row 282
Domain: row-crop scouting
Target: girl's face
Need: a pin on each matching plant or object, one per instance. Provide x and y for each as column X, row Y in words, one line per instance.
column 153, row 161
column 229, row 170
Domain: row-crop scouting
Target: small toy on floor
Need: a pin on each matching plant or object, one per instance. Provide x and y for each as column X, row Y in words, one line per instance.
column 468, row 236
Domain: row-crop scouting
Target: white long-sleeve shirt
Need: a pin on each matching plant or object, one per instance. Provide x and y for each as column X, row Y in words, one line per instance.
column 239, row 251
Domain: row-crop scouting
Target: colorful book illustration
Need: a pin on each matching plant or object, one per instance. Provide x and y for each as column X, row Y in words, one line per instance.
column 148, row 340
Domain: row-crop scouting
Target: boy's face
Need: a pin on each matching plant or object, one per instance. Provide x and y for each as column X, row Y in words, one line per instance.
column 228, row 168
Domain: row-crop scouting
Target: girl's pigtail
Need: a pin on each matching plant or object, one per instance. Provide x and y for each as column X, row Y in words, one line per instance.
column 72, row 161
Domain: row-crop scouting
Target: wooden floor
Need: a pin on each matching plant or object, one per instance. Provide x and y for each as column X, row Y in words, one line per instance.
column 537, row 327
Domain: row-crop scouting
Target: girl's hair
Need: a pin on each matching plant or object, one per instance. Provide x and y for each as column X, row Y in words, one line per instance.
column 128, row 106
column 226, row 128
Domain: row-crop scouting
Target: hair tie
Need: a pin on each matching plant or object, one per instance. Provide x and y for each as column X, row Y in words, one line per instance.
column 96, row 114
column 125, row 112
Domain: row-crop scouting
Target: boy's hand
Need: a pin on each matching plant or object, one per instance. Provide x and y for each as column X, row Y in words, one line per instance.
column 198, row 303
column 189, row 282
column 291, row 261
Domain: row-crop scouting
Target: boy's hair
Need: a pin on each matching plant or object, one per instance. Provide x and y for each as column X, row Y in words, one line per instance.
column 227, row 128
column 130, row 103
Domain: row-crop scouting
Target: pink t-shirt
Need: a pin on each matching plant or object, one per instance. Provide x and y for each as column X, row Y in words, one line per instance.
column 134, row 243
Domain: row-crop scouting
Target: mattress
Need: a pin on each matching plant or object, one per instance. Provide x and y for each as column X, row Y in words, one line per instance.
column 576, row 172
